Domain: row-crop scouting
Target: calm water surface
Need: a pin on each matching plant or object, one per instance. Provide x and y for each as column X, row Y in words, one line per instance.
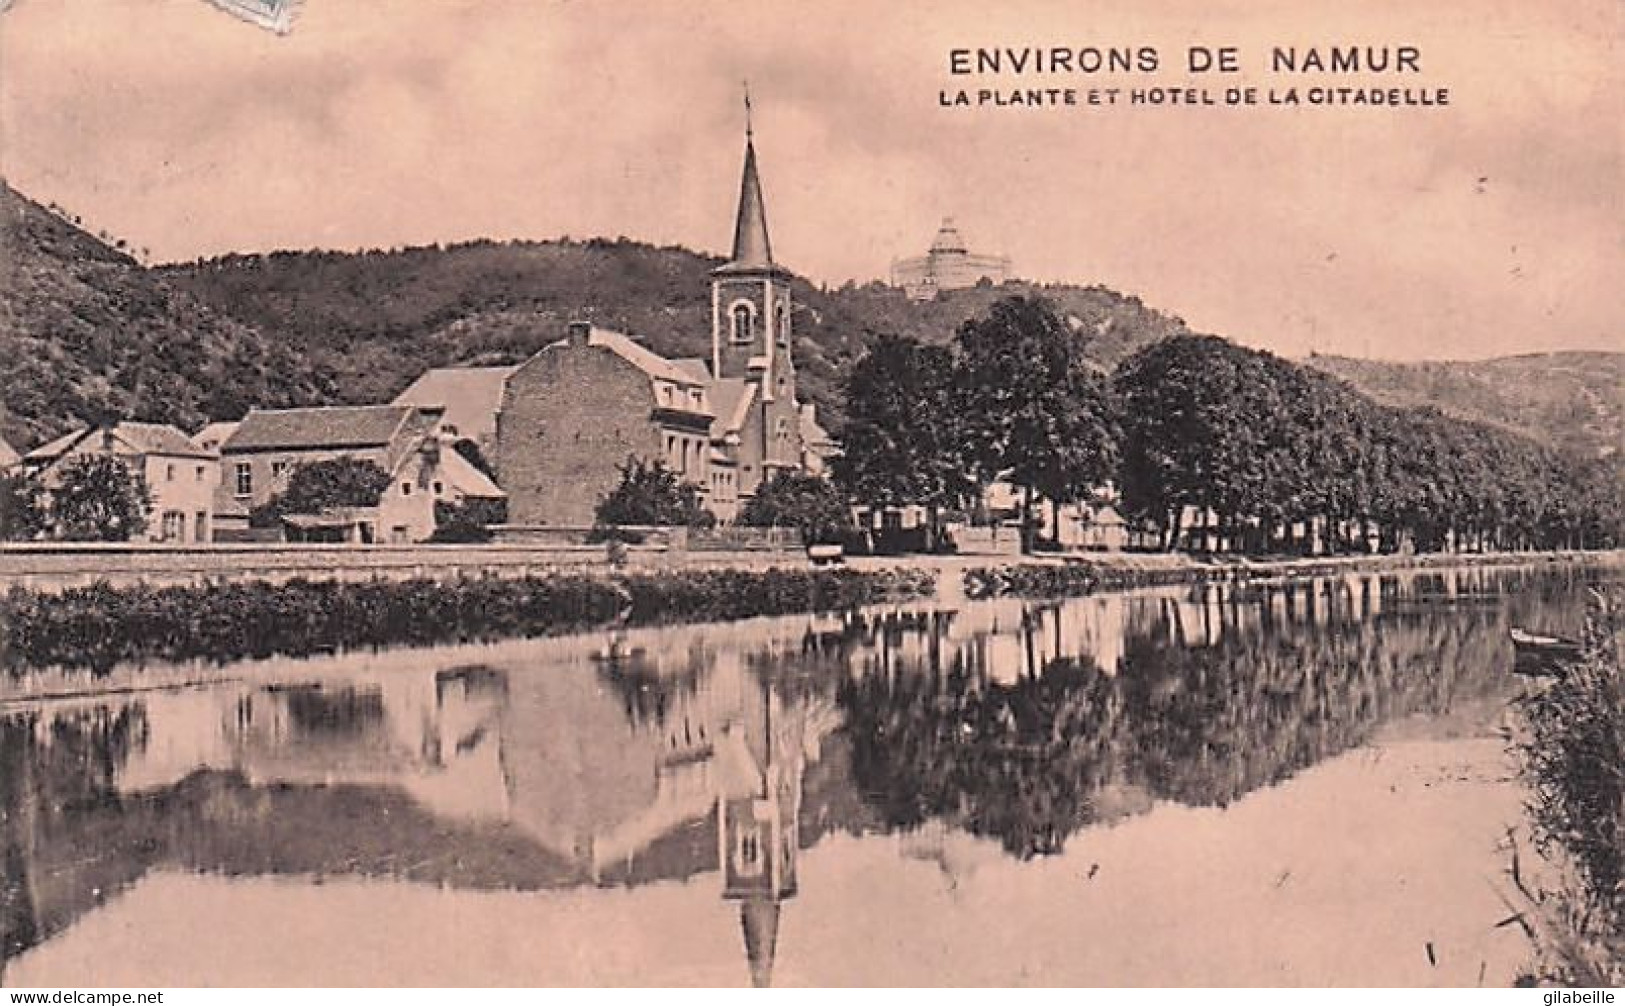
column 1283, row 784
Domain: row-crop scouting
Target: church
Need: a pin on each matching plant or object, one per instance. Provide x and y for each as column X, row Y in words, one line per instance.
column 571, row 415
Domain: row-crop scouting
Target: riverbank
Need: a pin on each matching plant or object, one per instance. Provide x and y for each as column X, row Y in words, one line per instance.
column 1077, row 575
column 1571, row 740
column 100, row 627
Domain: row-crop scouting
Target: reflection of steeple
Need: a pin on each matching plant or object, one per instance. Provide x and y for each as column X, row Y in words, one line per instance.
column 760, row 919
column 758, row 821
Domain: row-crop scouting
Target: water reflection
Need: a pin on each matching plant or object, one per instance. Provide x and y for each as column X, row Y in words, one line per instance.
column 725, row 750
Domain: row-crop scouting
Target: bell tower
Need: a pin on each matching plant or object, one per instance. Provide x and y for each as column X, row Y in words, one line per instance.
column 750, row 297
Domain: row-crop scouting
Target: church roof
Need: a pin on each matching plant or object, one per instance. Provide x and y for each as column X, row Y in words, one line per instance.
column 731, row 398
column 752, row 251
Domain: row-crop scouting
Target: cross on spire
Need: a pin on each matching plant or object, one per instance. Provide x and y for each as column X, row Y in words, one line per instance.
column 748, row 133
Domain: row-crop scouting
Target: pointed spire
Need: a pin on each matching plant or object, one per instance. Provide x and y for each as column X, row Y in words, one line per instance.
column 760, row 919
column 751, row 247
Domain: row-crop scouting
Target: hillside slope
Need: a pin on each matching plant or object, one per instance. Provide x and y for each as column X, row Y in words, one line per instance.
column 88, row 334
column 1573, row 400
column 377, row 318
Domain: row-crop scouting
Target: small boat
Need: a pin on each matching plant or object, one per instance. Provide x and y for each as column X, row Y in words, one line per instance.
column 1536, row 643
column 1541, row 655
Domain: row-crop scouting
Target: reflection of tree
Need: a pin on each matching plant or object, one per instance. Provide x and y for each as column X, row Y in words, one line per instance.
column 1210, row 724
column 56, row 775
column 1212, row 700
column 1018, row 761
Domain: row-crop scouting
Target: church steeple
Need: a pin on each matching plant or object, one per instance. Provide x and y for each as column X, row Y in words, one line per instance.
column 752, row 249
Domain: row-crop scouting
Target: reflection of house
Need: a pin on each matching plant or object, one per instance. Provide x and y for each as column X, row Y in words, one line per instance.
column 180, row 476
column 949, row 265
column 258, row 458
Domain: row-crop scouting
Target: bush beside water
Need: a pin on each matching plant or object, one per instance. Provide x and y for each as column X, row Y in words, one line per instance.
column 100, row 627
column 1574, row 764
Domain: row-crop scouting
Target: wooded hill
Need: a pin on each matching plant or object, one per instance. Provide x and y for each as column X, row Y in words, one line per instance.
column 86, row 331
column 377, row 318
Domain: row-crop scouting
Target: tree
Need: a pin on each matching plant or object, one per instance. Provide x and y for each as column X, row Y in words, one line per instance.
column 22, row 512
column 317, row 486
column 1038, row 409
column 813, row 505
column 904, row 439
column 651, row 494
column 98, row 498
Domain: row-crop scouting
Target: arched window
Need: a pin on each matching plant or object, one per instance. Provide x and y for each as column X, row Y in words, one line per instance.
column 784, row 323
column 743, row 315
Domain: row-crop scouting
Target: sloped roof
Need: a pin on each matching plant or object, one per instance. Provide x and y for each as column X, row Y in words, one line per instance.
column 472, row 396
column 812, row 431
column 136, row 438
column 8, row 455
column 695, row 367
column 332, row 426
column 731, row 398
column 643, row 358
column 226, row 504
column 56, row 448
column 216, row 433
column 463, row 477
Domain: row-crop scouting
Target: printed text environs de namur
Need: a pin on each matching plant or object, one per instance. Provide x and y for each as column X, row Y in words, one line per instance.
column 1036, row 76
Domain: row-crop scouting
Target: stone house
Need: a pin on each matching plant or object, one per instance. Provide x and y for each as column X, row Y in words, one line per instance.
column 406, row 441
column 180, row 476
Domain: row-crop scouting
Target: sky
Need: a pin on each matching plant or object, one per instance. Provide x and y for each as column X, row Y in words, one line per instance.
column 1489, row 226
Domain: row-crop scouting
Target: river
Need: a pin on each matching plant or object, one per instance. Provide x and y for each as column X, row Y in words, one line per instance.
column 1269, row 784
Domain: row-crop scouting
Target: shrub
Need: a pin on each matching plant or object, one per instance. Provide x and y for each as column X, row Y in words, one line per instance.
column 100, row 627
column 1574, row 764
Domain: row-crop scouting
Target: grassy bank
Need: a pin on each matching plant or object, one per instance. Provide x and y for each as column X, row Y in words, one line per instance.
column 101, row 627
column 1573, row 754
column 1120, row 571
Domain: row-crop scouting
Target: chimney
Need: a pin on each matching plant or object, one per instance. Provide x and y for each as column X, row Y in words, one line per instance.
column 579, row 333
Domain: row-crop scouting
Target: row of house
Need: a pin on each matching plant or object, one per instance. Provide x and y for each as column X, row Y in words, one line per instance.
column 552, row 432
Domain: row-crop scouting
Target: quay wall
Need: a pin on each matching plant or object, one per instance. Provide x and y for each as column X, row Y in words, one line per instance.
column 61, row 566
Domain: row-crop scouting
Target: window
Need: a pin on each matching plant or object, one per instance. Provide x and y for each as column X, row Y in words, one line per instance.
column 173, row 527
column 784, row 324
column 200, row 526
column 406, row 488
column 169, row 472
column 277, row 468
column 245, row 479
column 439, row 488
column 743, row 315
column 200, row 470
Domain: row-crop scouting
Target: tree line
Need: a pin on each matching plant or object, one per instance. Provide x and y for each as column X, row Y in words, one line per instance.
column 1210, row 446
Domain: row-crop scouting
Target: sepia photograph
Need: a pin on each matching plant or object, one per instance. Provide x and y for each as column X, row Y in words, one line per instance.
column 753, row 493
